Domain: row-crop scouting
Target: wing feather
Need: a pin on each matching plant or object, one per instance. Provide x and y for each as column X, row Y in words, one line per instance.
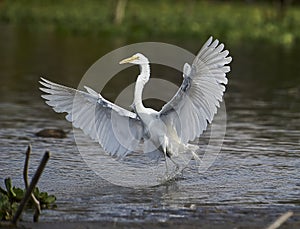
column 196, row 102
column 118, row 131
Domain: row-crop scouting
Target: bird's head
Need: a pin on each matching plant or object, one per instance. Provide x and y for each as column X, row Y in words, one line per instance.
column 137, row 58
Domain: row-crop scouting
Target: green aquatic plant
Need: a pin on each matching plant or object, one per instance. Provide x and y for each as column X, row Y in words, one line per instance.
column 11, row 197
column 9, row 200
column 7, row 209
column 13, row 193
column 46, row 200
column 14, row 200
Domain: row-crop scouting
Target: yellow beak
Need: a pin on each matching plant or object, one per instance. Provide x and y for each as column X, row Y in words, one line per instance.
column 128, row 60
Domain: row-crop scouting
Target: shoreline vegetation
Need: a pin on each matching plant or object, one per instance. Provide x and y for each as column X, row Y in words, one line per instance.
column 231, row 21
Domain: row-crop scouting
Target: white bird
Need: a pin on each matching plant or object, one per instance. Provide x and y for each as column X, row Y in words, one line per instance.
column 167, row 131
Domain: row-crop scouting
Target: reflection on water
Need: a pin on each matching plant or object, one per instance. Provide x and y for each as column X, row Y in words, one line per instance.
column 257, row 170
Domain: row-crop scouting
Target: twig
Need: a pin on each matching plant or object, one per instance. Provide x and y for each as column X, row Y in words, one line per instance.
column 29, row 190
column 25, row 170
column 279, row 221
column 25, row 176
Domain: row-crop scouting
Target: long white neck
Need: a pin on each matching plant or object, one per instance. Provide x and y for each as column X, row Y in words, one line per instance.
column 139, row 86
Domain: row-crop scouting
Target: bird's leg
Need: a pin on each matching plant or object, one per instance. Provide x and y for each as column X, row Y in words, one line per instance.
column 166, row 163
column 197, row 159
column 164, row 141
column 176, row 165
column 167, row 155
column 166, row 176
column 169, row 176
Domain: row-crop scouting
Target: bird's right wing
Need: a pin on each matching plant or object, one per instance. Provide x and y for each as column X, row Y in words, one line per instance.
column 117, row 130
column 195, row 103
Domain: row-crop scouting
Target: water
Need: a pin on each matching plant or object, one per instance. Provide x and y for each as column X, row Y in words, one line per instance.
column 254, row 179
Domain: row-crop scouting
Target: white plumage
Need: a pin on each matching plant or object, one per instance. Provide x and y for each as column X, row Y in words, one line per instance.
column 167, row 131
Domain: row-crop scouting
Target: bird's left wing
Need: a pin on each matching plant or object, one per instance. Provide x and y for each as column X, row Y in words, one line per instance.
column 119, row 131
column 201, row 92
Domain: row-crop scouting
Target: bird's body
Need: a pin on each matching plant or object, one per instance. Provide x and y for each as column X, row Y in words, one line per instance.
column 155, row 129
column 167, row 131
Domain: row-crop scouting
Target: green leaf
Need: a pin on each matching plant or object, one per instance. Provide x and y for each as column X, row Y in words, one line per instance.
column 42, row 196
column 6, row 208
column 4, row 201
column 9, row 188
column 8, row 183
column 36, row 192
column 19, row 193
column 50, row 199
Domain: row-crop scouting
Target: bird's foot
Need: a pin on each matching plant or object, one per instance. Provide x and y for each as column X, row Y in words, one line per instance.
column 169, row 177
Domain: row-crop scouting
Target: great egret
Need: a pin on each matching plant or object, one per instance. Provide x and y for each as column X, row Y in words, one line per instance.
column 167, row 131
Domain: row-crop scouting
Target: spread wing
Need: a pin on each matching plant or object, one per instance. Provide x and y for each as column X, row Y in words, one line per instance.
column 117, row 130
column 196, row 102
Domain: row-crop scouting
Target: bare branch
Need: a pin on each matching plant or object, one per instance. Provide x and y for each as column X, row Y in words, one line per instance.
column 31, row 187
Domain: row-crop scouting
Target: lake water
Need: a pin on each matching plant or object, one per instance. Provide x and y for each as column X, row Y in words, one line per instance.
column 254, row 179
